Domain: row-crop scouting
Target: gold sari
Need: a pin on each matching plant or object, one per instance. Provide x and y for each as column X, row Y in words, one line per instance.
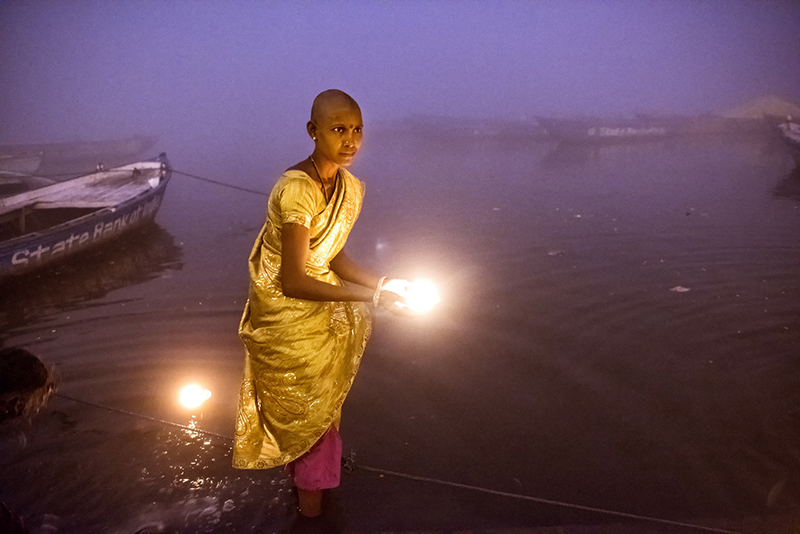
column 302, row 355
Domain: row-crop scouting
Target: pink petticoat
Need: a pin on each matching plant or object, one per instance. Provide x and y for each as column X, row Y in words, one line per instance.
column 320, row 468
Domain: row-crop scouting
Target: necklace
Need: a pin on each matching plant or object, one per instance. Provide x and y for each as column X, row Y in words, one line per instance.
column 321, row 183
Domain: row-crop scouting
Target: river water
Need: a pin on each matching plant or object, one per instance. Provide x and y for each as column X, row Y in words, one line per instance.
column 619, row 328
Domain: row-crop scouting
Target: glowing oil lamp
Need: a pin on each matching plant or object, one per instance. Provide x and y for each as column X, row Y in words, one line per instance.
column 193, row 396
column 420, row 295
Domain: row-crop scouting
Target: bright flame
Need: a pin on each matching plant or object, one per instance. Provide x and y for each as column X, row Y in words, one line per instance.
column 421, row 295
column 396, row 285
column 193, row 396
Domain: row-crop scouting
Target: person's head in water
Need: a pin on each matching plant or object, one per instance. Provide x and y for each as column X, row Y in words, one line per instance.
column 336, row 128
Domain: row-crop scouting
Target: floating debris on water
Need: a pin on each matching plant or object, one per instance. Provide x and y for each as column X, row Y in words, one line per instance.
column 679, row 289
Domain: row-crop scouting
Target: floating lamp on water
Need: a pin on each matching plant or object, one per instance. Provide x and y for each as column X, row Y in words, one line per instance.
column 194, row 396
column 421, row 295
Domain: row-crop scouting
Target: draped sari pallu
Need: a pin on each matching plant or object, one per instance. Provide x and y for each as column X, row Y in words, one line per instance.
column 301, row 355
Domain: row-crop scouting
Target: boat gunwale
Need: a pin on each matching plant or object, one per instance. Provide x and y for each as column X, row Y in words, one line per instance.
column 95, row 212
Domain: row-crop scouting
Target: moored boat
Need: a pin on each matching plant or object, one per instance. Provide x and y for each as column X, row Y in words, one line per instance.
column 790, row 135
column 43, row 225
column 606, row 130
column 77, row 156
column 13, row 166
column 128, row 147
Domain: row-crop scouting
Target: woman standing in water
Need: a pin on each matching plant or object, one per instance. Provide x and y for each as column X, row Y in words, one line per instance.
column 305, row 324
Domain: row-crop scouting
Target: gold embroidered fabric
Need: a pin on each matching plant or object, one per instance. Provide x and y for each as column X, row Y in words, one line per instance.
column 301, row 355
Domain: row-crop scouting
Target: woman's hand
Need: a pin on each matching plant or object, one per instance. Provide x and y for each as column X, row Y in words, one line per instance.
column 394, row 297
column 410, row 298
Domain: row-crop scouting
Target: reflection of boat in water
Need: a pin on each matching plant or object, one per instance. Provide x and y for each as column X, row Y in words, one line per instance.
column 790, row 135
column 567, row 155
column 52, row 222
column 139, row 256
column 672, row 152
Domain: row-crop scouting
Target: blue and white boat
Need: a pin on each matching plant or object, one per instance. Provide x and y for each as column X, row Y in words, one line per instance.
column 46, row 224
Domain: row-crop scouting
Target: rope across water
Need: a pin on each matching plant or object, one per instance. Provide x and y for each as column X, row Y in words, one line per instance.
column 223, row 184
column 431, row 480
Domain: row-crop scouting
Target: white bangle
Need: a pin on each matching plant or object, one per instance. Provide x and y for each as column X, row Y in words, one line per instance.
column 376, row 297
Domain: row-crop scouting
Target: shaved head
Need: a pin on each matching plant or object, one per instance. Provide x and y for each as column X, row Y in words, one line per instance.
column 329, row 100
column 337, row 128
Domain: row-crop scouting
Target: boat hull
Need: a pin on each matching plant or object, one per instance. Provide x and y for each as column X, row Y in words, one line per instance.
column 646, row 128
column 598, row 131
column 34, row 250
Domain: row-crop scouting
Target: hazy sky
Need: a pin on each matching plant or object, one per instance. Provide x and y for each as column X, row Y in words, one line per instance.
column 83, row 69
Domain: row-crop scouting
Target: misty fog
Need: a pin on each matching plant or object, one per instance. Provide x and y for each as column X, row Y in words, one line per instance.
column 235, row 77
column 618, row 325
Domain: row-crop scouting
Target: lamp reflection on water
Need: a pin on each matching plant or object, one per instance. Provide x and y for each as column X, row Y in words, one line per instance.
column 192, row 397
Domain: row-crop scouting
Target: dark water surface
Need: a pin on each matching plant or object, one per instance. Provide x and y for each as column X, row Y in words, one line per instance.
column 560, row 363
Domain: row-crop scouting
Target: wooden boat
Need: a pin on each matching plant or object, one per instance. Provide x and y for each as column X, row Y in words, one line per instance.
column 603, row 131
column 645, row 127
column 790, row 135
column 19, row 165
column 45, row 224
column 73, row 158
column 105, row 150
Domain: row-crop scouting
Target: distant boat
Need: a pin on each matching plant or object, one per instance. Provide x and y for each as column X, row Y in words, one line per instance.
column 15, row 166
column 77, row 155
column 790, row 135
column 607, row 130
column 45, row 224
column 645, row 127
